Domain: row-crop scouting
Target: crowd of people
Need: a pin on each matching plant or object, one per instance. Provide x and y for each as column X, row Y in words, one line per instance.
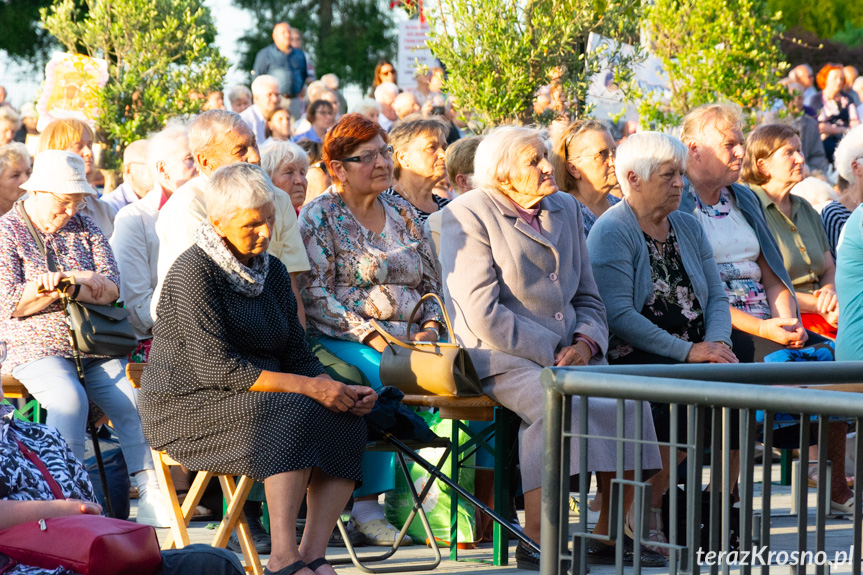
column 258, row 251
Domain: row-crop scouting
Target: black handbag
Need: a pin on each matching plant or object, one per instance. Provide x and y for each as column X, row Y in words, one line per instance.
column 96, row 329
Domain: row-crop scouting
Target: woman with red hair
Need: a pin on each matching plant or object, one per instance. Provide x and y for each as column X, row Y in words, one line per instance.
column 369, row 260
column 836, row 112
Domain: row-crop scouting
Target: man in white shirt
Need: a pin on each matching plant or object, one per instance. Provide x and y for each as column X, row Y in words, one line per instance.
column 265, row 100
column 135, row 243
column 219, row 138
column 137, row 178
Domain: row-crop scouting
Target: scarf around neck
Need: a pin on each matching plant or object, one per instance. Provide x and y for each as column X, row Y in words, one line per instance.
column 247, row 281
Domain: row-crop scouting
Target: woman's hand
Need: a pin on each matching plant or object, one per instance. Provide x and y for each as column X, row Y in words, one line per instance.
column 827, row 300
column 578, row 354
column 711, row 352
column 425, row 335
column 80, row 507
column 49, row 282
column 96, row 282
column 334, row 395
column 785, row 330
column 366, row 398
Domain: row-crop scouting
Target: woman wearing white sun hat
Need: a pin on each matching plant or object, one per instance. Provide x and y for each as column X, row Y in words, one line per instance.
column 33, row 323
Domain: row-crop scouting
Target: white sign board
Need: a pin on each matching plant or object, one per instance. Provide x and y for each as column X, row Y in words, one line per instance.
column 413, row 51
column 604, row 94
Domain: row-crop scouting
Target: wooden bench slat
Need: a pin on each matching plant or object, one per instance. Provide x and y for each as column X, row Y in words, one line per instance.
column 14, row 388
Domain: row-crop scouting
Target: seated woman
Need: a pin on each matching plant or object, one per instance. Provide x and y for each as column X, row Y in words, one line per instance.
column 34, row 324
column 369, row 260
column 25, row 495
column 231, row 385
column 521, row 293
column 584, row 167
column 849, row 164
column 286, row 163
column 657, row 276
column 321, row 115
column 14, row 171
column 760, row 294
column 773, row 164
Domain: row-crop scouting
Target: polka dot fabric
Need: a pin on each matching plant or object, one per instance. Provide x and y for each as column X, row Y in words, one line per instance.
column 210, row 345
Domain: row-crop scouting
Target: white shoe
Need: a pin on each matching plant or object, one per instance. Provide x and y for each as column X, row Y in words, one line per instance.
column 379, row 532
column 153, row 509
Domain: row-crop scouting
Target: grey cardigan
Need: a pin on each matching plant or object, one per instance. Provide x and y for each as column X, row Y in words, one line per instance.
column 621, row 267
column 516, row 296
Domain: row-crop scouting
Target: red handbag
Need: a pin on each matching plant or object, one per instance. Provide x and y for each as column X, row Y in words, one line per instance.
column 85, row 544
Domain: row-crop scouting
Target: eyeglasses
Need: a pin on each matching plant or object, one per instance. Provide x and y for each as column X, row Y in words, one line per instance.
column 370, row 156
column 387, row 72
column 321, row 166
column 66, row 204
column 603, row 156
column 2, row 351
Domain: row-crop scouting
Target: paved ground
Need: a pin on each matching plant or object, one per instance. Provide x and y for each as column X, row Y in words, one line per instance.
column 783, row 538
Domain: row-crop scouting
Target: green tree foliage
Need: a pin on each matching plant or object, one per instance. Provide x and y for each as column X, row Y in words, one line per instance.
column 713, row 50
column 498, row 53
column 841, row 20
column 21, row 35
column 344, row 37
column 160, row 56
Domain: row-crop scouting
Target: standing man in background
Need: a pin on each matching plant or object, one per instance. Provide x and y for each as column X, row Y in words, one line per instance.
column 287, row 65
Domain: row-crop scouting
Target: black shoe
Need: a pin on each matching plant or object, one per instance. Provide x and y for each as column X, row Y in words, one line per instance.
column 528, row 559
column 602, row 554
column 263, row 544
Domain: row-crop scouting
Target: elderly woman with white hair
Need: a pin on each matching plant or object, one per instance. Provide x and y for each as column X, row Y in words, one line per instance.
column 10, row 123
column 849, row 163
column 14, row 171
column 287, row 164
column 655, row 270
column 521, row 292
column 228, row 337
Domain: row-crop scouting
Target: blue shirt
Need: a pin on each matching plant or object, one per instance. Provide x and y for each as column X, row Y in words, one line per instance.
column 849, row 288
column 289, row 69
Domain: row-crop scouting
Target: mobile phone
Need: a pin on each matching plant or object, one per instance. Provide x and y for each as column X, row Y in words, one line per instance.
column 438, row 110
column 64, row 282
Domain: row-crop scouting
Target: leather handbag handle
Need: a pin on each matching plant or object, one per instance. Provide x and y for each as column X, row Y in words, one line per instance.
column 442, row 308
column 391, row 341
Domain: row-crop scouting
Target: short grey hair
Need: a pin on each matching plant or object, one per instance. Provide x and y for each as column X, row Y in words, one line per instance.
column 237, row 91
column 365, row 106
column 263, row 82
column 643, row 153
column 497, row 155
column 158, row 149
column 316, row 89
column 9, row 115
column 13, row 153
column 716, row 115
column 239, row 186
column 276, row 154
column 386, row 89
column 210, row 128
column 849, row 151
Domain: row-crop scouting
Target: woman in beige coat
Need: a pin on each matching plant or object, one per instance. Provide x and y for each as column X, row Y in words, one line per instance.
column 520, row 289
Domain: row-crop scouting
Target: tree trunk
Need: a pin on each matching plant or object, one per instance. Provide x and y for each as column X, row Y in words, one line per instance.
column 325, row 26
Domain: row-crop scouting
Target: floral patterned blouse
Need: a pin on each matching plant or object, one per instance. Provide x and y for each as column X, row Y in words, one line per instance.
column 358, row 275
column 673, row 305
column 736, row 249
column 79, row 245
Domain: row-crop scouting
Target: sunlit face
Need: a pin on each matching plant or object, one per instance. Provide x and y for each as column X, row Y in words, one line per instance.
column 719, row 155
column 388, row 73
column 282, row 37
column 179, row 167
column 83, row 148
column 280, row 125
column 835, row 81
column 663, row 189
column 425, row 156
column 11, row 179
column 215, row 101
column 785, row 165
column 54, row 211
column 533, row 174
column 7, row 132
column 231, row 148
column 240, row 103
column 592, row 163
column 248, row 231
column 291, row 178
column 371, row 178
column 267, row 100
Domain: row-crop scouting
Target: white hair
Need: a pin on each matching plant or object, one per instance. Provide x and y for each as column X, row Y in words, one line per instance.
column 316, row 89
column 9, row 115
column 12, row 153
column 365, row 106
column 158, row 150
column 209, row 128
column 817, row 192
column 236, row 187
column 236, row 92
column 276, row 154
column 262, row 83
column 497, row 155
column 386, row 90
column 642, row 153
column 849, row 150
column 331, row 80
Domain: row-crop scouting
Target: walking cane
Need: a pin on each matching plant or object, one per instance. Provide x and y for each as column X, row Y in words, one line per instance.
column 91, row 424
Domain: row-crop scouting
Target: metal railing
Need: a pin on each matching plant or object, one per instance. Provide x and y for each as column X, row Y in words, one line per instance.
column 702, row 390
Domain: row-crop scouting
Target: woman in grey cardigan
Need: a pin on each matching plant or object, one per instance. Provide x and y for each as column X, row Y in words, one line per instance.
column 656, row 273
column 520, row 290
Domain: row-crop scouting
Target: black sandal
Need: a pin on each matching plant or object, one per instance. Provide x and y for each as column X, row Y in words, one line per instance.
column 289, row 570
column 319, row 562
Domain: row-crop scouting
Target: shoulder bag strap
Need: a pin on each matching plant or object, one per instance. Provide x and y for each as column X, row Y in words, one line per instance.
column 52, row 265
column 43, row 469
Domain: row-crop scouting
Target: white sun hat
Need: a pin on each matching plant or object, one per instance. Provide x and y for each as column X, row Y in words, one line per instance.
column 60, row 173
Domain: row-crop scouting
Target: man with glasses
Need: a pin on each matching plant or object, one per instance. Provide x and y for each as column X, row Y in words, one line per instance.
column 137, row 179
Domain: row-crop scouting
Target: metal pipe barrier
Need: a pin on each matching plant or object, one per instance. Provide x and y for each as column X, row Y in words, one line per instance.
column 703, row 390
